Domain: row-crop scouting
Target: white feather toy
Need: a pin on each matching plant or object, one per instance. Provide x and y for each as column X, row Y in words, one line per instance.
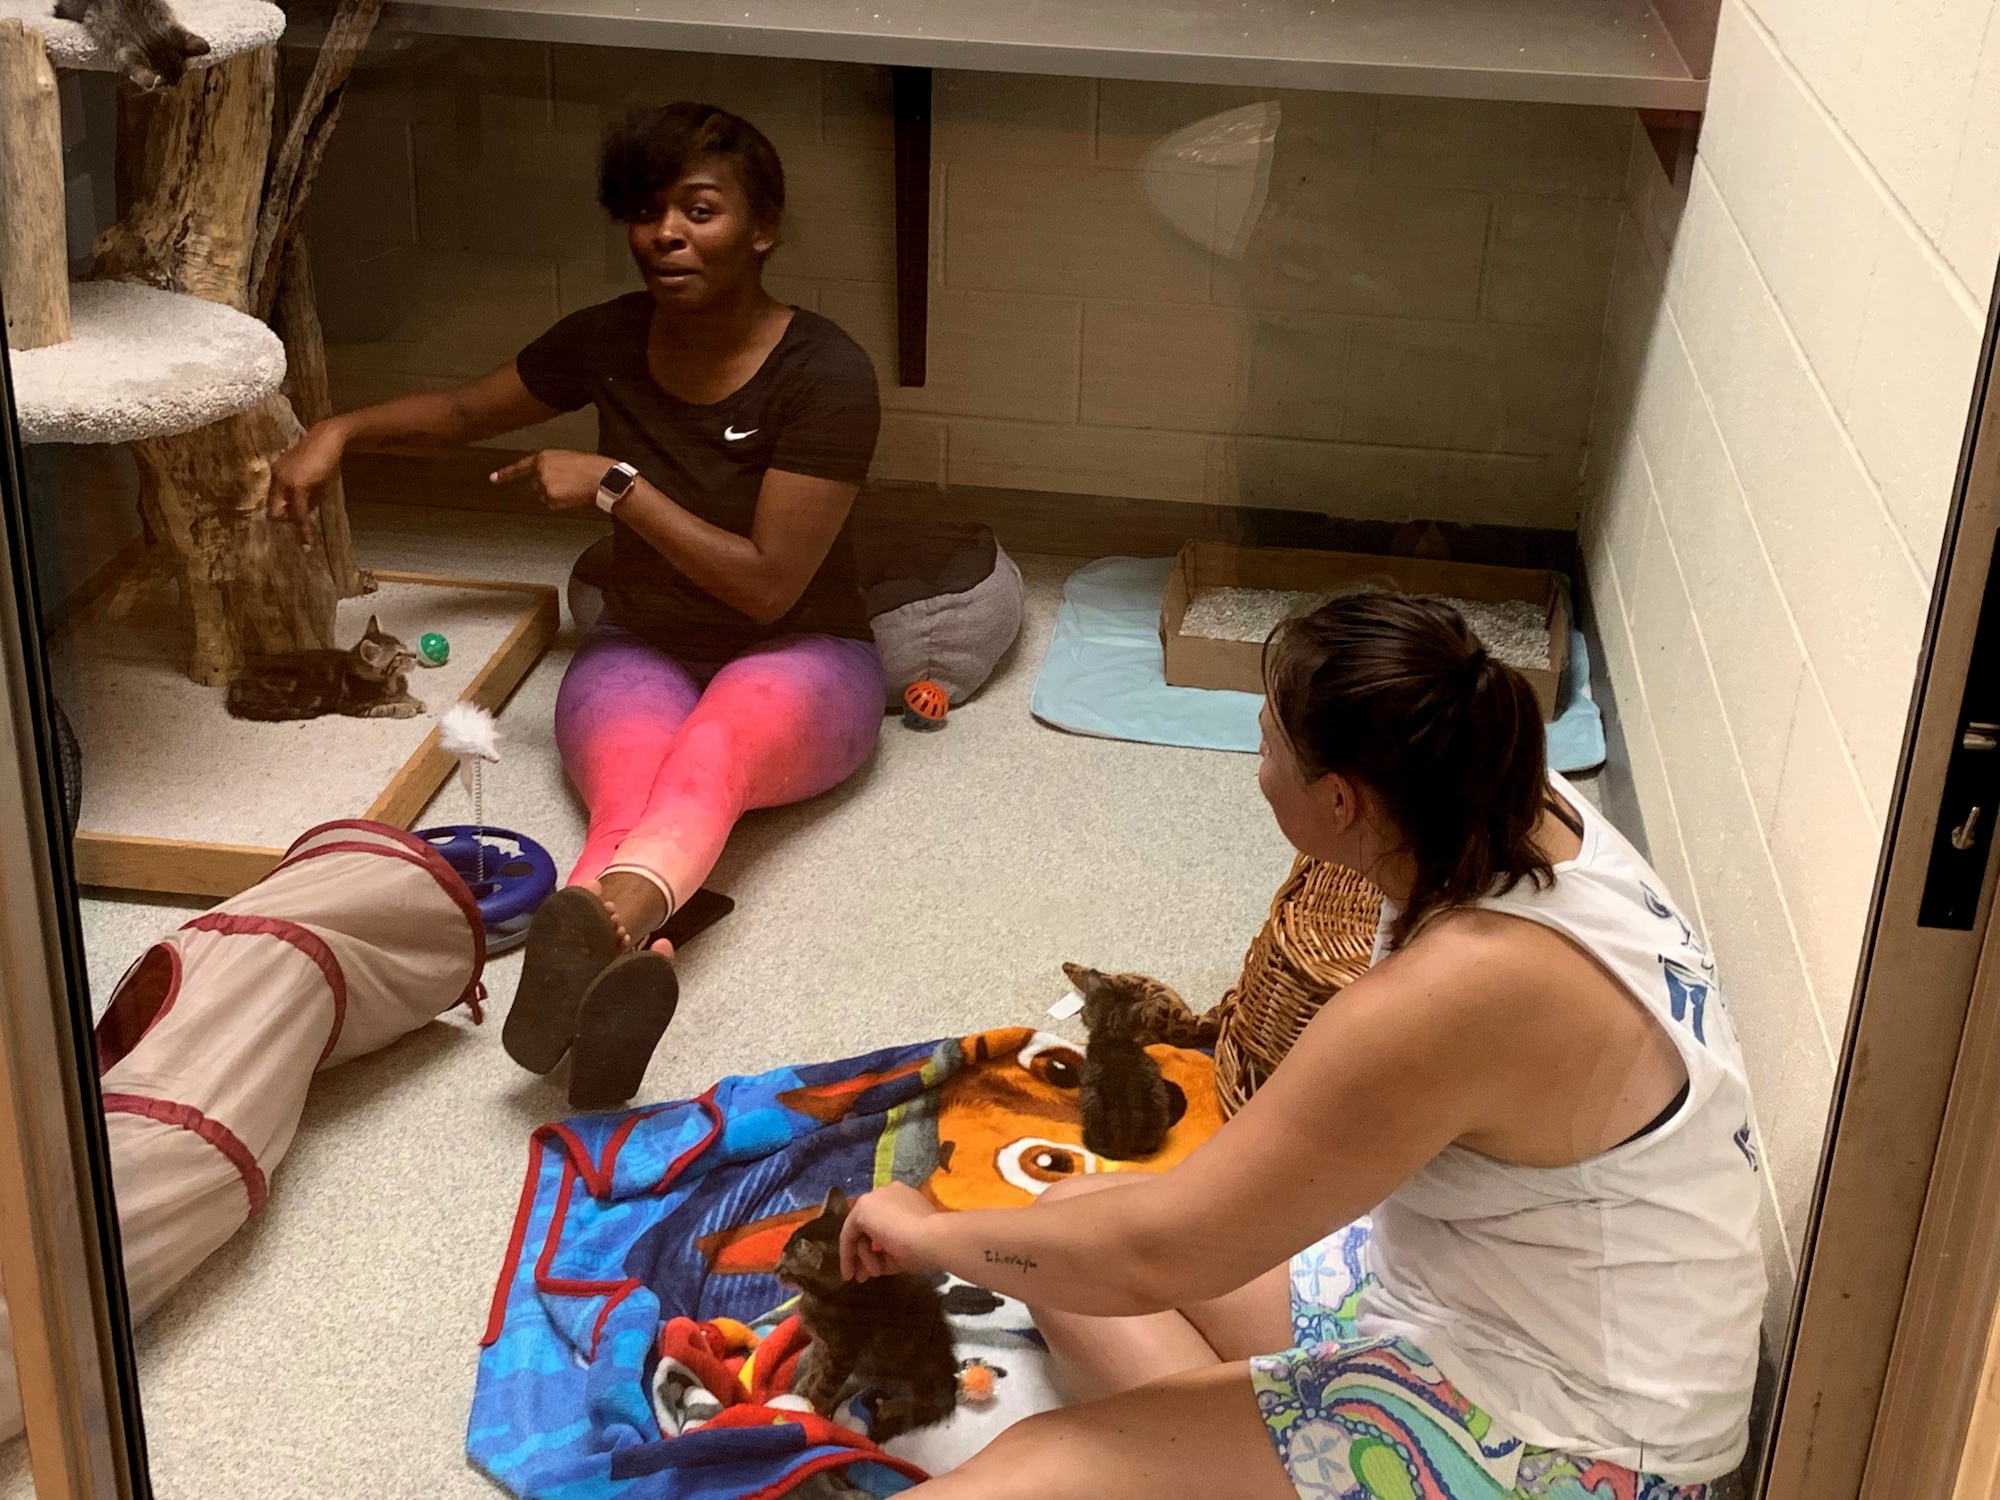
column 467, row 732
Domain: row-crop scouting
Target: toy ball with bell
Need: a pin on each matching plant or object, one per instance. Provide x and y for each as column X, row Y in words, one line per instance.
column 433, row 650
column 925, row 705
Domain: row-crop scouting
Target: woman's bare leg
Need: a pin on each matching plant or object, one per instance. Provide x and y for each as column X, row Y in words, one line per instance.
column 1198, row 1433
column 1101, row 1357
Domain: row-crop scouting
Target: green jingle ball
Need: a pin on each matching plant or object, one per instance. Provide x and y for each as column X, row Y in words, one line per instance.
column 433, row 648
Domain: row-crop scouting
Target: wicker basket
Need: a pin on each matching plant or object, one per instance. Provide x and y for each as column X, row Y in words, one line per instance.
column 1318, row 939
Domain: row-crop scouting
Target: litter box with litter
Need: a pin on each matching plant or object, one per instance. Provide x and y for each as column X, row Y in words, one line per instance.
column 1516, row 631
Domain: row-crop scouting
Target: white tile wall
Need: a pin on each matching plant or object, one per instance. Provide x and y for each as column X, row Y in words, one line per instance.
column 1808, row 212
column 1753, row 652
column 1973, row 223
column 1824, row 841
column 1778, row 437
column 1919, row 344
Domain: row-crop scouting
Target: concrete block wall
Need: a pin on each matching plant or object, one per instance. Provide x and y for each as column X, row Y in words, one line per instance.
column 1789, row 355
column 1408, row 327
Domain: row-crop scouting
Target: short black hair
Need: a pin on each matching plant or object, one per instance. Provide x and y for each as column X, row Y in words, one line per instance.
column 654, row 146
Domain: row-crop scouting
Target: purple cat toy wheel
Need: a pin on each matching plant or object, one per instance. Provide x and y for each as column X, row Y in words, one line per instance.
column 518, row 877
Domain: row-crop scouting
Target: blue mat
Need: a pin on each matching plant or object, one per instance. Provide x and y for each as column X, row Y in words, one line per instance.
column 1104, row 675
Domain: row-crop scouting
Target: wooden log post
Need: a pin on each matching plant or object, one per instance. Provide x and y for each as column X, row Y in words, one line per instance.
column 296, row 319
column 34, row 255
column 249, row 587
column 248, row 584
column 281, row 286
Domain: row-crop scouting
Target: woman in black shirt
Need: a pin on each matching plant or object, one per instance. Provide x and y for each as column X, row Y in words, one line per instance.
column 734, row 667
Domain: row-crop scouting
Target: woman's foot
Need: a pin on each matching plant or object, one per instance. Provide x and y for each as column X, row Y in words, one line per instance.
column 637, row 905
column 571, row 941
column 621, row 1021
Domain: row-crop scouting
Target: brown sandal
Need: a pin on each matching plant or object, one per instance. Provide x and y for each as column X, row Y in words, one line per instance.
column 571, row 941
column 623, row 1016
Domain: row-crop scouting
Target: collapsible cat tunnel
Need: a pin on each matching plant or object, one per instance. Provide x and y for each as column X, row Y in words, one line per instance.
column 361, row 934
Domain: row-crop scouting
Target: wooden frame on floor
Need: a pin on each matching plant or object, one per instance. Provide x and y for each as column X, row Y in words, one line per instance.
column 190, row 867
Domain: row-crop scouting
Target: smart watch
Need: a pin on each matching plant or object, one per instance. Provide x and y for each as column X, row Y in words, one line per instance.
column 612, row 487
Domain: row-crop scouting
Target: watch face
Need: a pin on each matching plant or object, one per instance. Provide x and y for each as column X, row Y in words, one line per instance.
column 617, row 481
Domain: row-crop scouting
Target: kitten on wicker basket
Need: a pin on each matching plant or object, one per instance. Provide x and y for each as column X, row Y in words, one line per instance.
column 1128, row 1106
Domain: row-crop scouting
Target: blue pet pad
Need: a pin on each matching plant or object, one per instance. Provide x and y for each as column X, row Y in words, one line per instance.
column 1104, row 675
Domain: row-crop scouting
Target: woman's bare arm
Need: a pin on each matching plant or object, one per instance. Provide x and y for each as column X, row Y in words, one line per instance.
column 1434, row 1045
column 762, row 574
column 489, row 406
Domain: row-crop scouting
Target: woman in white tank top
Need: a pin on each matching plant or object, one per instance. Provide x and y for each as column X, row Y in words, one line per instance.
column 1490, row 1230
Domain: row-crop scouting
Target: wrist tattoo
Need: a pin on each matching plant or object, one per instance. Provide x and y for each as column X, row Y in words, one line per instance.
column 1009, row 1258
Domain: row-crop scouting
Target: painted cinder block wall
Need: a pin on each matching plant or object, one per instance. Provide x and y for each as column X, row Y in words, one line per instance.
column 1410, row 327
column 1789, row 355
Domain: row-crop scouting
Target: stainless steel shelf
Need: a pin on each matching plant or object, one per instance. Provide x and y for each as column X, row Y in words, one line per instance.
column 1608, row 52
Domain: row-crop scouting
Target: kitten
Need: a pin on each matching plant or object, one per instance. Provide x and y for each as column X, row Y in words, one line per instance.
column 889, row 1332
column 370, row 680
column 142, row 37
column 1128, row 1107
column 1160, row 1016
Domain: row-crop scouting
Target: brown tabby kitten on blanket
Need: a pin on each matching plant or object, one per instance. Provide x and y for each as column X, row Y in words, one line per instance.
column 369, row 680
column 143, row 39
column 1128, row 1107
column 890, row 1331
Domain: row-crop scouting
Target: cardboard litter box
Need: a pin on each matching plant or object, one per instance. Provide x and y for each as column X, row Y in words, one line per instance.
column 1199, row 661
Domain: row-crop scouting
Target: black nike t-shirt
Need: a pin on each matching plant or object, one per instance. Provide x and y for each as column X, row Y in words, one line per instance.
column 812, row 408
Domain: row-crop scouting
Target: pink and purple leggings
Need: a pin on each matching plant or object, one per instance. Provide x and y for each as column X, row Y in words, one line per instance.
column 669, row 754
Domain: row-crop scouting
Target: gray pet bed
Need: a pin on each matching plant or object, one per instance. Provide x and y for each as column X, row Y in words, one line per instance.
column 944, row 600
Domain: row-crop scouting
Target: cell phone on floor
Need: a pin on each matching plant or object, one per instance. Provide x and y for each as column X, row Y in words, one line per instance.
column 695, row 916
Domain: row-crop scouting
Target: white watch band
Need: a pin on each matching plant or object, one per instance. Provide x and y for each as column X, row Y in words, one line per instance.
column 615, row 486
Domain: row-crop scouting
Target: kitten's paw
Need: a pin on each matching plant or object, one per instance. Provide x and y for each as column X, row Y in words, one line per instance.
column 137, row 68
column 409, row 708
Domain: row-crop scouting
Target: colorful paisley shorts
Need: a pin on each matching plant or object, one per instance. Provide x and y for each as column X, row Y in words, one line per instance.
column 1355, row 1418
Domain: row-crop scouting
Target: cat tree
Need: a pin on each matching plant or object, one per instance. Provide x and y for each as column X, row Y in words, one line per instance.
column 170, row 346
column 195, row 342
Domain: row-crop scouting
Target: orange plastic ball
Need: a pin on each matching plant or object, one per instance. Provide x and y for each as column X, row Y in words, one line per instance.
column 926, row 700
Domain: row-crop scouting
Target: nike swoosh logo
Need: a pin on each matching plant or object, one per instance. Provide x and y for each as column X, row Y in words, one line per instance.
column 736, row 437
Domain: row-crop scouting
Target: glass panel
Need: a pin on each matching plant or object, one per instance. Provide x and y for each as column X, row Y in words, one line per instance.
column 1672, row 435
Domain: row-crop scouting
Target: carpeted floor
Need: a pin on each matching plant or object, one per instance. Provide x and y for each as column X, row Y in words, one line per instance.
column 328, row 1349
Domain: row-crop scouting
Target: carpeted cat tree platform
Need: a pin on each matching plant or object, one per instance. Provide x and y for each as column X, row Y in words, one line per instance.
column 198, row 306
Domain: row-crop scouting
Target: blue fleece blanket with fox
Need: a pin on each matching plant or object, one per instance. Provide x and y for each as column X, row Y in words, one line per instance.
column 628, row 1221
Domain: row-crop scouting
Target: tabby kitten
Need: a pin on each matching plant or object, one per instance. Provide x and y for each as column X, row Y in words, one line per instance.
column 142, row 38
column 1159, row 1015
column 889, row 1332
column 1128, row 1107
column 369, row 680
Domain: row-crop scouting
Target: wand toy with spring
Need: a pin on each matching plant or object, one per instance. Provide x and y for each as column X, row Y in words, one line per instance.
column 468, row 733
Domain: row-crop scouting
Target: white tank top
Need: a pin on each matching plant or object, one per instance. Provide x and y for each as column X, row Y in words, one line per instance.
column 1610, row 1308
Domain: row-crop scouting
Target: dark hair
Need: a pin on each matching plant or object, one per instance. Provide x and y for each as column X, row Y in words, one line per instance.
column 654, row 146
column 1396, row 692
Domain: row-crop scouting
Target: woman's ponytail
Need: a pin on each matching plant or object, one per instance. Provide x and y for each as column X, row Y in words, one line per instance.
column 1398, row 693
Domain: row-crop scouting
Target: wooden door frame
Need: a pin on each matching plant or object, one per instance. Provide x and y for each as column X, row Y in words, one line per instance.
column 72, row 1349
column 1884, row 1347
